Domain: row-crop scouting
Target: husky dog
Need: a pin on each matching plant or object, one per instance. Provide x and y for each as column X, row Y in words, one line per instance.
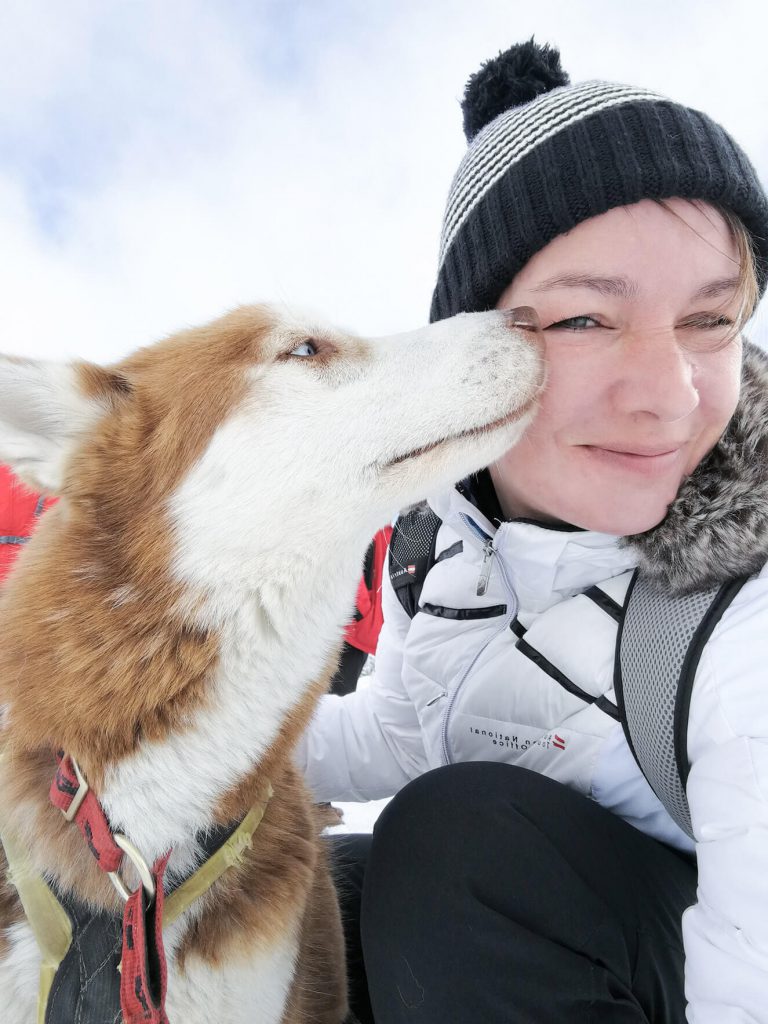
column 180, row 610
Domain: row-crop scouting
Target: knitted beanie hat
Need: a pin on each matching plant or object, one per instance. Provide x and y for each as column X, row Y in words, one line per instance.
column 545, row 155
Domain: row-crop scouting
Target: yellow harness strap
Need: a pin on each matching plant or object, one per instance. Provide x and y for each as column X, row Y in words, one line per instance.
column 47, row 918
column 227, row 855
column 50, row 923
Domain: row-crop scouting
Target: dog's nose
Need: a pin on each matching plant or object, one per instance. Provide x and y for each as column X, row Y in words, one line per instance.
column 524, row 318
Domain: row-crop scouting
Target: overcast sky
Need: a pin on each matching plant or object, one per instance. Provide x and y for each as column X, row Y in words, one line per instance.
column 164, row 160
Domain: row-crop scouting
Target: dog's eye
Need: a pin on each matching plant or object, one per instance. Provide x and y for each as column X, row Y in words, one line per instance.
column 306, row 348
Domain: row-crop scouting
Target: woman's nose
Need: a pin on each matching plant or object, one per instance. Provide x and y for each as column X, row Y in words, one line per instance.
column 656, row 377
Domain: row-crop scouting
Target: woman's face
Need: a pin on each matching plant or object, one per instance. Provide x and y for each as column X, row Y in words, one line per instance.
column 643, row 368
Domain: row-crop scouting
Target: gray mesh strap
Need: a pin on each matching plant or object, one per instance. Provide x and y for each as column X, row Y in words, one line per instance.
column 412, row 554
column 659, row 648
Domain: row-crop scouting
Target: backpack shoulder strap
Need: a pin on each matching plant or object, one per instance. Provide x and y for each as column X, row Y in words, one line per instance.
column 412, row 554
column 657, row 653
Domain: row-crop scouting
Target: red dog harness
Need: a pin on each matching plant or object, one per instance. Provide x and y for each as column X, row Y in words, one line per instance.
column 144, row 977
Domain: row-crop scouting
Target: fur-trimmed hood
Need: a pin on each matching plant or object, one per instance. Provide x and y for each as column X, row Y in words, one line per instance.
column 717, row 527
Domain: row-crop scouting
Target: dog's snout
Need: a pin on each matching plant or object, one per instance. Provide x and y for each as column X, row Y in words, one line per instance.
column 522, row 318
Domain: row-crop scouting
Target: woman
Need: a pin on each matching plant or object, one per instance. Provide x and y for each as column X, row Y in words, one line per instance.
column 537, row 877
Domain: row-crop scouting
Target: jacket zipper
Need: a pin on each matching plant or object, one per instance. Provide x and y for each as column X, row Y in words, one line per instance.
column 482, row 586
column 485, row 568
column 488, row 552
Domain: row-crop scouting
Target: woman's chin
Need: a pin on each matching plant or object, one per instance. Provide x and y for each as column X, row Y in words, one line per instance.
column 613, row 506
column 623, row 521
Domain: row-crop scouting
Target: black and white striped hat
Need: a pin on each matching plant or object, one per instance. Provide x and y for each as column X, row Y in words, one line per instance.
column 545, row 155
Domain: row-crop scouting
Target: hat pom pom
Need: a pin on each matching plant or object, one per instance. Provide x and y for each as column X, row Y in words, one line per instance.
column 516, row 76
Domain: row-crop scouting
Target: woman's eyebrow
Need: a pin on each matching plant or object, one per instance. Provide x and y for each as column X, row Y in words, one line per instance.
column 623, row 288
column 616, row 286
column 715, row 288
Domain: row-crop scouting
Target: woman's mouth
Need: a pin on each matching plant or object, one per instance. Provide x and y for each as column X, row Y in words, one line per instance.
column 646, row 461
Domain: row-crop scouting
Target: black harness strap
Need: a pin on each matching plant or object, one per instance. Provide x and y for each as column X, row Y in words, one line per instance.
column 86, row 988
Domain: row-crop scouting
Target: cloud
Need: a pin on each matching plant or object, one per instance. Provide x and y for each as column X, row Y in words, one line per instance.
column 160, row 163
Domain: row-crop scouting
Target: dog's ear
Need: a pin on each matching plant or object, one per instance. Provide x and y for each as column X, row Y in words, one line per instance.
column 45, row 410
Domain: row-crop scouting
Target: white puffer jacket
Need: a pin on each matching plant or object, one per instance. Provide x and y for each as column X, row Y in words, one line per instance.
column 524, row 675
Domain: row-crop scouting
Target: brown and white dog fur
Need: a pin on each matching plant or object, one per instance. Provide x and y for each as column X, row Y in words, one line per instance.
column 178, row 613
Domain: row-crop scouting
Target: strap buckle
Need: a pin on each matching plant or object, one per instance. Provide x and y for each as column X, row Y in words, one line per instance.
column 80, row 795
column 142, row 868
column 124, row 844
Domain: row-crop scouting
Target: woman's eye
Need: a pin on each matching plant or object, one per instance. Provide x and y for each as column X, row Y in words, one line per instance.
column 574, row 323
column 306, row 348
column 708, row 332
column 709, row 322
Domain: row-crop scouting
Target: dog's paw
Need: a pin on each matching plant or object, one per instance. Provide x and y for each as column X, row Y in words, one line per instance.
column 327, row 815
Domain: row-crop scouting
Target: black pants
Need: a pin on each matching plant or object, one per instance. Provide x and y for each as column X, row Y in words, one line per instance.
column 491, row 894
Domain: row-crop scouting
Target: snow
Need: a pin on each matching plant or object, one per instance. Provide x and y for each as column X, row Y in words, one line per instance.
column 358, row 817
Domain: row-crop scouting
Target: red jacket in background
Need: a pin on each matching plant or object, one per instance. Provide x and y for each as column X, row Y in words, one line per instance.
column 363, row 631
column 19, row 512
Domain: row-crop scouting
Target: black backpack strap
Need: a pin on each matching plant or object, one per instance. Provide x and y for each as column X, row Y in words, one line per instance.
column 368, row 568
column 657, row 653
column 412, row 554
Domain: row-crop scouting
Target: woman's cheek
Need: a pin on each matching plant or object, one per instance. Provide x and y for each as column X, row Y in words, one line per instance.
column 718, row 382
column 576, row 374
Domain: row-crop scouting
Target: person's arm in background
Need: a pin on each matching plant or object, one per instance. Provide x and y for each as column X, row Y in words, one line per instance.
column 362, row 634
column 367, row 744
